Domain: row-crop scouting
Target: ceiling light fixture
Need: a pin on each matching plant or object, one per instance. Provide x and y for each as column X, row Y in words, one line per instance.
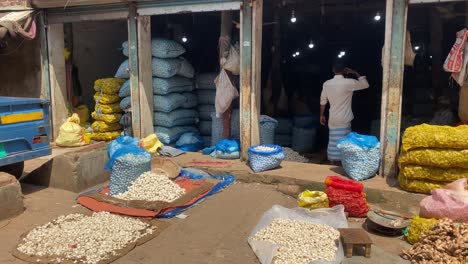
column 293, row 17
column 377, row 17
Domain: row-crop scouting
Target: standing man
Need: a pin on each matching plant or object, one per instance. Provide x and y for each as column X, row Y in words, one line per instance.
column 339, row 93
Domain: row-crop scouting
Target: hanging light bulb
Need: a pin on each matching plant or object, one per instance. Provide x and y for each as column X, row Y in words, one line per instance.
column 311, row 45
column 377, row 17
column 416, row 47
column 342, row 53
column 184, row 39
column 293, row 17
column 297, row 53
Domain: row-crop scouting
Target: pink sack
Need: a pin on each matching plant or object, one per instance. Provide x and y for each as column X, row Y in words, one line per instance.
column 454, row 61
column 451, row 202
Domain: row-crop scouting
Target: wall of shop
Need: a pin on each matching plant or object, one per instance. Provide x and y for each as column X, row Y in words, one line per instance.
column 97, row 52
column 20, row 68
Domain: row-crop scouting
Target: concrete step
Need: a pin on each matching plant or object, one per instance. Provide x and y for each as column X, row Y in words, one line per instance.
column 11, row 198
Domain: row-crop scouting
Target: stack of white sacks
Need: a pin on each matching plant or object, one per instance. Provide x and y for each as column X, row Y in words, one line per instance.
column 174, row 101
column 206, row 93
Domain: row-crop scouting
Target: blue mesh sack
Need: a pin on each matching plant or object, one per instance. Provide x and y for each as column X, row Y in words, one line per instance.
column 171, row 135
column 126, row 120
column 126, row 103
column 265, row 157
column 360, row 155
column 216, row 129
column 191, row 100
column 161, row 48
column 206, row 97
column 175, row 84
column 165, row 68
column 168, row 103
column 267, row 129
column 235, row 123
column 125, row 89
column 179, row 117
column 284, row 126
column 304, row 139
column 205, row 128
column 205, row 81
column 205, row 111
column 123, row 71
column 126, row 162
column 186, row 69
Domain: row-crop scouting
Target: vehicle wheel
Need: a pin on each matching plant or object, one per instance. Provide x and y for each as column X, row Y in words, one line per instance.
column 15, row 169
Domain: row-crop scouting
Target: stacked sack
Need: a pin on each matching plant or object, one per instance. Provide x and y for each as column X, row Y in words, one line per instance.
column 433, row 156
column 283, row 132
column 174, row 102
column 107, row 111
column 348, row 193
column 206, row 94
column 304, row 132
column 125, row 103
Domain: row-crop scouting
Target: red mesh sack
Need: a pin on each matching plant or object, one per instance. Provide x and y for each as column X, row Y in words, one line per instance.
column 345, row 184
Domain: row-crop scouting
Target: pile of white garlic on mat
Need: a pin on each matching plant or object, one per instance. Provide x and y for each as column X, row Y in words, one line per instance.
column 292, row 155
column 300, row 242
column 88, row 239
column 152, row 187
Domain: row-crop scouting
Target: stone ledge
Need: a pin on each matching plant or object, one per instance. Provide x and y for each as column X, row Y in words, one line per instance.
column 11, row 198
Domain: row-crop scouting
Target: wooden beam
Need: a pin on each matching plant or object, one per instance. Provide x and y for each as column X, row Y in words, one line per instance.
column 225, row 32
column 145, row 75
column 45, row 73
column 245, row 77
column 133, row 70
column 56, row 46
column 189, row 8
column 393, row 84
column 89, row 16
column 68, row 3
column 255, row 104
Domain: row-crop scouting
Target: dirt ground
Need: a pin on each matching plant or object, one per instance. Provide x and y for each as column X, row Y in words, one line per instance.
column 215, row 231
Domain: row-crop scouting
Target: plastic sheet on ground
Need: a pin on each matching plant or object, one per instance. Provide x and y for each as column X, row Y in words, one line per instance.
column 416, row 172
column 441, row 158
column 334, row 217
column 429, row 136
column 197, row 188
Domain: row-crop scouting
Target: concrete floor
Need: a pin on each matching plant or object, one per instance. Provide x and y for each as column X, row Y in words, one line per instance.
column 215, row 231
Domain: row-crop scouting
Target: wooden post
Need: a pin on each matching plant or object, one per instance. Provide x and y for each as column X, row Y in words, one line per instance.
column 145, row 75
column 257, row 24
column 133, row 68
column 393, row 69
column 45, row 74
column 245, row 77
column 58, row 83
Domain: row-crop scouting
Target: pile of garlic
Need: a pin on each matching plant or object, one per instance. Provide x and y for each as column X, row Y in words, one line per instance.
column 152, row 187
column 300, row 242
column 83, row 239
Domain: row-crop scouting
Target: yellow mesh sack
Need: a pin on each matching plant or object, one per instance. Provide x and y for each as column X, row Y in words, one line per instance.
column 102, row 98
column 108, row 85
column 105, row 136
column 101, row 126
column 151, row 143
column 429, row 136
column 108, row 109
column 442, row 158
column 418, row 226
column 108, row 118
column 415, row 172
column 312, row 199
column 419, row 186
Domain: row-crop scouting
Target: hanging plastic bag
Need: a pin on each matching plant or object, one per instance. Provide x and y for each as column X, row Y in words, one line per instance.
column 454, row 61
column 225, row 93
column 71, row 133
column 266, row 251
column 232, row 62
